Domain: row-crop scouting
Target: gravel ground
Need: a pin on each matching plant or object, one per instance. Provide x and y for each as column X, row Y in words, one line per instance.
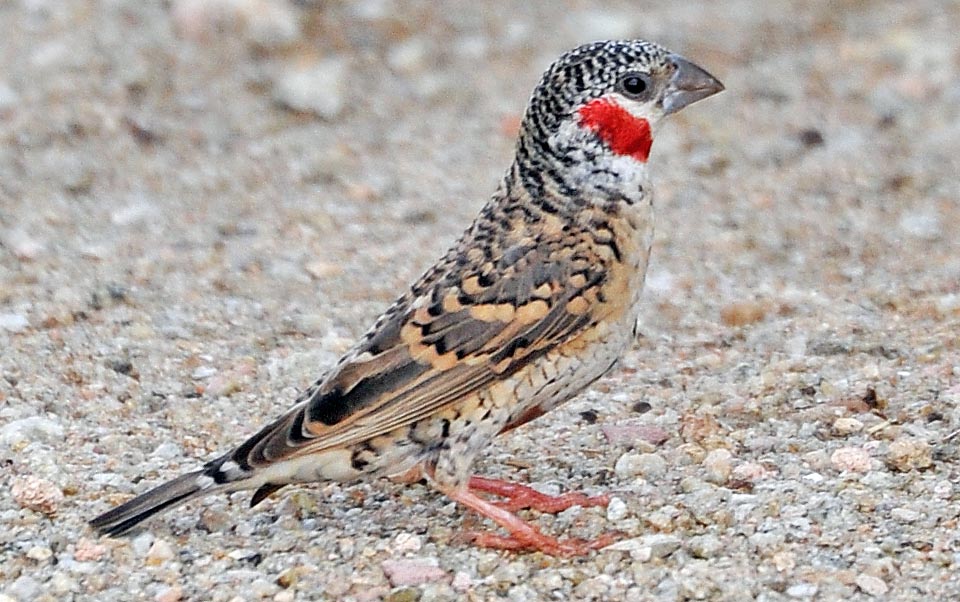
column 202, row 203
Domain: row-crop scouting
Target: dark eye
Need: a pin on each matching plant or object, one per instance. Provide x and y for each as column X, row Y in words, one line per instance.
column 635, row 85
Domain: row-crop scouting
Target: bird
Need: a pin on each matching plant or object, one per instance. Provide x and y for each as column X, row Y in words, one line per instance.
column 537, row 299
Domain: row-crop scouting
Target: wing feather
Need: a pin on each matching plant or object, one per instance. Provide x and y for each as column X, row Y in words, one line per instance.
column 458, row 332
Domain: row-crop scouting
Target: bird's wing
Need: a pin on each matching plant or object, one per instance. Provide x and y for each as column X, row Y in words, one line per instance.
column 468, row 323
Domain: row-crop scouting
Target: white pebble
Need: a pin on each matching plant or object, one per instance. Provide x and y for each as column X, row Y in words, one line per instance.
column 39, row 553
column 412, row 571
column 802, row 590
column 924, row 225
column 203, row 372
column 943, row 489
column 649, row 466
column 24, row 588
column 616, row 510
column 904, row 515
column 662, row 545
column 461, row 582
column 141, row 544
column 8, row 96
column 871, row 585
column 705, row 546
column 167, row 451
column 34, row 428
column 718, row 465
column 407, row 542
column 261, row 588
column 847, row 426
column 14, row 322
column 62, row 584
column 408, row 56
column 317, row 89
column 159, row 553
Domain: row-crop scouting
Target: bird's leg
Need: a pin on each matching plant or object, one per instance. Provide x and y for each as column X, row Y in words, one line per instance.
column 523, row 536
column 520, row 496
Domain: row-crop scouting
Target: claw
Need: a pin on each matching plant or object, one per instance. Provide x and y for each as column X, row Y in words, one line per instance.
column 522, row 535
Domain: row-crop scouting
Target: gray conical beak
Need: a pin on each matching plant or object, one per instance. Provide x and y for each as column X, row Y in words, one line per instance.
column 688, row 85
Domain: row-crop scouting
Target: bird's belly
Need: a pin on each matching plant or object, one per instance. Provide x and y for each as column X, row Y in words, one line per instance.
column 563, row 374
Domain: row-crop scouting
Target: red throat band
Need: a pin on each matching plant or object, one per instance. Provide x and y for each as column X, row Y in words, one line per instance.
column 623, row 133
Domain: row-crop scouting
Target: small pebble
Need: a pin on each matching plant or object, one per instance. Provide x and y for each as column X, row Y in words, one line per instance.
column 408, row 56
column 846, row 426
column 742, row 313
column 39, row 553
column 871, row 585
column 904, row 515
column 167, row 450
column 407, row 594
column 33, row 428
column 140, row 544
column 632, row 464
column 412, row 571
column 462, row 582
column 630, row 434
column 854, row 459
column 616, row 509
column 223, row 384
column 909, row 454
column 406, row 542
column 61, row 584
column 39, row 495
column 14, row 323
column 317, row 88
column 322, row 270
column 658, row 545
column 159, row 553
column 24, row 588
column 511, row 572
column 784, row 561
column 88, row 550
column 750, row 471
column 261, row 588
column 203, row 372
column 8, row 96
column 705, row 546
column 718, row 465
column 170, row 594
column 802, row 590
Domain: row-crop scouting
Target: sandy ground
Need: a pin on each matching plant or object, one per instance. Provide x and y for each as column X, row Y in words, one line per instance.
column 203, row 203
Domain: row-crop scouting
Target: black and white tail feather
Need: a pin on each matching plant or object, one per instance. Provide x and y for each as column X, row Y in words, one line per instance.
column 125, row 517
column 221, row 475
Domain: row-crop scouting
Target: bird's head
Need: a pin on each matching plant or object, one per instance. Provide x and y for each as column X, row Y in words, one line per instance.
column 594, row 113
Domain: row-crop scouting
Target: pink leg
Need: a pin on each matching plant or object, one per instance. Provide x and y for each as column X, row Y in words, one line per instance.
column 523, row 536
column 521, row 496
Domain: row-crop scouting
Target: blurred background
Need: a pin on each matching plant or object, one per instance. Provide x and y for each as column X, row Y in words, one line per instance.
column 139, row 134
column 204, row 202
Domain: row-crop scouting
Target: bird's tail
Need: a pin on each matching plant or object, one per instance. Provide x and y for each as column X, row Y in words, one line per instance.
column 171, row 494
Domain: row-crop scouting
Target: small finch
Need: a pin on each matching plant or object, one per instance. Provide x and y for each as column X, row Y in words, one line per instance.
column 537, row 299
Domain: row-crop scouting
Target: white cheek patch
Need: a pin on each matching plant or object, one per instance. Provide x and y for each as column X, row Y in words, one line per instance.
column 593, row 167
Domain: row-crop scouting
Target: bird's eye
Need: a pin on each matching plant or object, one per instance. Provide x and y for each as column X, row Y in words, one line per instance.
column 635, row 85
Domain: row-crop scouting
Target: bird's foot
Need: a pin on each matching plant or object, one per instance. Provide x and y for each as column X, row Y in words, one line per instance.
column 522, row 535
column 519, row 497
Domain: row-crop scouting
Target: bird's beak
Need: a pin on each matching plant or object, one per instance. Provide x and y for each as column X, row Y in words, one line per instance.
column 689, row 84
